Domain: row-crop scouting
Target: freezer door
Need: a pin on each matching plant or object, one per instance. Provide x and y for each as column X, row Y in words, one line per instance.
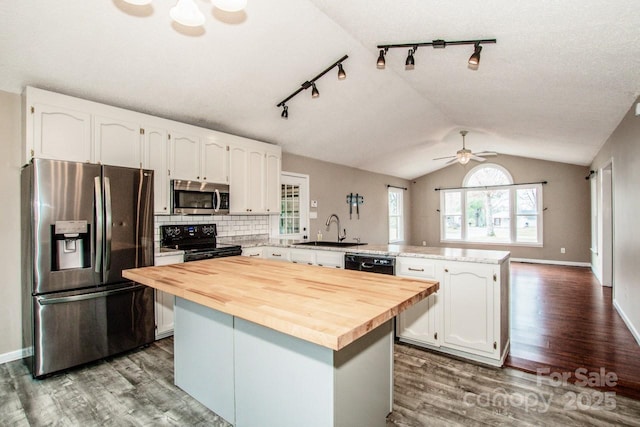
column 128, row 221
column 75, row 328
column 61, row 194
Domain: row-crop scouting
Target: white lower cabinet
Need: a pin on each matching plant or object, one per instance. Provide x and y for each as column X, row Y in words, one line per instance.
column 421, row 322
column 469, row 315
column 257, row 252
column 302, row 256
column 277, row 253
column 164, row 301
column 330, row 259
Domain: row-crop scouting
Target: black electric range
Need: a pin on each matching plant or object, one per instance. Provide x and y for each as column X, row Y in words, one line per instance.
column 198, row 241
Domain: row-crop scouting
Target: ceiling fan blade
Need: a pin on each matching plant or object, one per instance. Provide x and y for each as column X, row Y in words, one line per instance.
column 447, row 157
column 455, row 159
column 486, row 153
column 477, row 158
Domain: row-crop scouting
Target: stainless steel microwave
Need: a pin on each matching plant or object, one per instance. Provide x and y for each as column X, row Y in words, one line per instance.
column 199, row 198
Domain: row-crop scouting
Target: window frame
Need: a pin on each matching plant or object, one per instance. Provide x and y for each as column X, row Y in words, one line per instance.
column 400, row 215
column 513, row 213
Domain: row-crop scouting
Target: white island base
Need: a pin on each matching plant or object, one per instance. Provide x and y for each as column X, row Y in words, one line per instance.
column 255, row 376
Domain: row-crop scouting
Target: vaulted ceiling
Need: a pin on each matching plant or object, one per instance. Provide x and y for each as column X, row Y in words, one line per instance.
column 555, row 85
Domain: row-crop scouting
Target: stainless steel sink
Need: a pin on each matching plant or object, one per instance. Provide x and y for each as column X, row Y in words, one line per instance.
column 330, row 244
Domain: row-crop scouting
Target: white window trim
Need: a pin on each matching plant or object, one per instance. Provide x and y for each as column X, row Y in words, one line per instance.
column 401, row 215
column 512, row 211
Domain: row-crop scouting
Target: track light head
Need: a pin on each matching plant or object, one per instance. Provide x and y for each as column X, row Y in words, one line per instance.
column 314, row 91
column 381, row 62
column 410, row 63
column 285, row 112
column 474, row 59
column 341, row 74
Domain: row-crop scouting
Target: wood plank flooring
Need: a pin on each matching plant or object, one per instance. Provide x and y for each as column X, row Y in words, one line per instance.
column 563, row 320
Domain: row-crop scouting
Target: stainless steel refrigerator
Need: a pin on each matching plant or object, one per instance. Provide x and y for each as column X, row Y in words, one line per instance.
column 82, row 225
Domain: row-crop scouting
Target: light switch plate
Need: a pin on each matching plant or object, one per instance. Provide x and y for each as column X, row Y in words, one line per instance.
column 314, row 203
column 313, row 215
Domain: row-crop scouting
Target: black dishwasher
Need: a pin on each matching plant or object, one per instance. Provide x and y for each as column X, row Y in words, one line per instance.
column 370, row 263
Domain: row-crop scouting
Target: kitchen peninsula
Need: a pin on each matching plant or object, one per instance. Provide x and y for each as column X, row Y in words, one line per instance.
column 262, row 342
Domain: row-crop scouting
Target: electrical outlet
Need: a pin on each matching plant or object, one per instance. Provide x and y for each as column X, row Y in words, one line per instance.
column 424, row 243
column 562, row 250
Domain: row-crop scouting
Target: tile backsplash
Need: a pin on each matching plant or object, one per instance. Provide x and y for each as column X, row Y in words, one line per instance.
column 227, row 225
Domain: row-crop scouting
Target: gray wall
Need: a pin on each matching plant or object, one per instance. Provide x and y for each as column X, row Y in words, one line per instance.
column 10, row 143
column 623, row 147
column 330, row 184
column 566, row 197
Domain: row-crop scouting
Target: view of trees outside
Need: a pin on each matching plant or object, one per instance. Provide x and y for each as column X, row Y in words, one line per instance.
column 527, row 215
column 290, row 209
column 395, row 215
column 453, row 215
column 488, row 211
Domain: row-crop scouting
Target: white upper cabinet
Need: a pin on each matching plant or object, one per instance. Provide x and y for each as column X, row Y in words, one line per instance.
column 185, row 156
column 56, row 128
column 156, row 149
column 215, row 160
column 117, row 142
column 254, row 177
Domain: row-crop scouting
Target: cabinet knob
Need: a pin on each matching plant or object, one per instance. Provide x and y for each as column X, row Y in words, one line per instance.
column 446, row 270
column 205, row 178
column 165, row 208
column 495, row 345
column 197, row 177
column 435, row 336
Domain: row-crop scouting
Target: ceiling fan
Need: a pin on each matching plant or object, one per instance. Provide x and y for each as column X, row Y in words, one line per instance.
column 463, row 156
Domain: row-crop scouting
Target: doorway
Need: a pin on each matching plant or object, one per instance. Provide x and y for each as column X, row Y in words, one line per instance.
column 293, row 221
column 607, row 224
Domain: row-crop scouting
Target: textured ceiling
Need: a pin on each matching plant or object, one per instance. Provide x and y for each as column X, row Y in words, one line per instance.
column 555, row 85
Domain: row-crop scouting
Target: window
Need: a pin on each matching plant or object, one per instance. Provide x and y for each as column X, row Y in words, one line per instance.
column 490, row 209
column 293, row 221
column 290, row 209
column 396, row 232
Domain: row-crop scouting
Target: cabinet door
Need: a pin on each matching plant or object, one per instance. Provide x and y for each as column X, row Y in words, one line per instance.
column 215, row 161
column 422, row 321
column 238, row 179
column 302, row 256
column 59, row 133
column 253, row 252
column 255, row 180
column 469, row 317
column 272, row 182
column 330, row 259
column 117, row 142
column 165, row 301
column 185, row 156
column 156, row 149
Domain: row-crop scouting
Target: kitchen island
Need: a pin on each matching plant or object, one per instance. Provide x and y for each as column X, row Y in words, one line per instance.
column 261, row 342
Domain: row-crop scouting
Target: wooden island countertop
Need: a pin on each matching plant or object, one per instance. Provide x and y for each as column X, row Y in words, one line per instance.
column 328, row 307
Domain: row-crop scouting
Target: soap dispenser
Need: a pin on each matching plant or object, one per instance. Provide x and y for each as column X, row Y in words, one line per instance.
column 319, row 235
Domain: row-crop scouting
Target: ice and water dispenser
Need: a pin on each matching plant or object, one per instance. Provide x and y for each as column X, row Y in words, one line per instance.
column 71, row 245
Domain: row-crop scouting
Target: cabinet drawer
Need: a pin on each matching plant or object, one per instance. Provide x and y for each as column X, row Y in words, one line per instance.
column 303, row 256
column 330, row 259
column 416, row 267
column 280, row 254
column 253, row 252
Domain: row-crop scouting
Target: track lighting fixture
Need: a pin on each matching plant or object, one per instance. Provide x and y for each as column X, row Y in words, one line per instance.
column 381, row 62
column 474, row 60
column 312, row 84
column 410, row 63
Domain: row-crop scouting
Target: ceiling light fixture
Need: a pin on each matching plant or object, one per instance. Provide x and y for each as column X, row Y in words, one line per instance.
column 187, row 13
column 474, row 60
column 381, row 62
column 312, row 84
column 410, row 63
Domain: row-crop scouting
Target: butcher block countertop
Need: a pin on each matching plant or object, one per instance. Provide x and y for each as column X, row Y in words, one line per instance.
column 328, row 307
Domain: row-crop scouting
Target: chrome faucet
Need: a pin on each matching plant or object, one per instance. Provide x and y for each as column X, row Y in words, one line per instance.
column 342, row 236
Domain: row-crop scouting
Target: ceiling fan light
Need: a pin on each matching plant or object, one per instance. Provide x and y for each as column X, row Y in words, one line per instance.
column 186, row 12
column 381, row 62
column 410, row 62
column 230, row 5
column 138, row 2
column 341, row 74
column 463, row 158
column 474, row 59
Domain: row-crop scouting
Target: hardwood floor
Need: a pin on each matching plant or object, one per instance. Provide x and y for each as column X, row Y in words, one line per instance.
column 563, row 320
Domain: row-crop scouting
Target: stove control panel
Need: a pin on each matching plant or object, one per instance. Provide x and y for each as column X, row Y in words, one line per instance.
column 171, row 235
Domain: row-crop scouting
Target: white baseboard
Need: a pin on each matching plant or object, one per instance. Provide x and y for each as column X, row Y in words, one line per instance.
column 553, row 262
column 627, row 322
column 15, row 355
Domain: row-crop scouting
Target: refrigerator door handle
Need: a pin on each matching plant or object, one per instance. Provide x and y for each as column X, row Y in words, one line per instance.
column 108, row 226
column 43, row 300
column 99, row 223
column 217, row 208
